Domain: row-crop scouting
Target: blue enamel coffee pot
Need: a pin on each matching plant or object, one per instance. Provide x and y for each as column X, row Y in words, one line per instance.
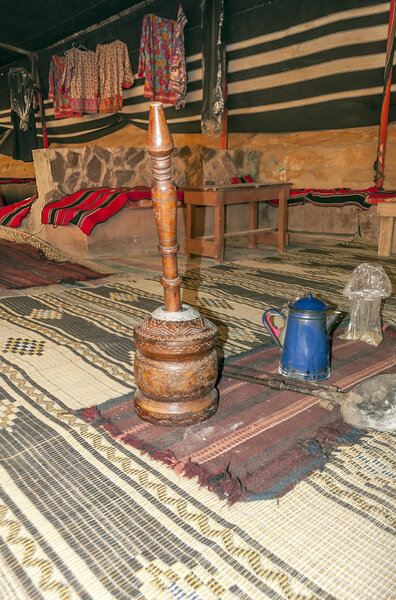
column 303, row 339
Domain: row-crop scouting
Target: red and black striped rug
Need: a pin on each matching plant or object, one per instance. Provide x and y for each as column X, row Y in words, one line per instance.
column 261, row 442
column 23, row 266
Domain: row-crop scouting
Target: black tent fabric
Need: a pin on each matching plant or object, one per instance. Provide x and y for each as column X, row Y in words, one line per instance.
column 291, row 66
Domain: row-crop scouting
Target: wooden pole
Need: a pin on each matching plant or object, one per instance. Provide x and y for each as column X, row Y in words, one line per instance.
column 36, row 77
column 380, row 161
column 14, row 49
column 224, row 135
column 163, row 193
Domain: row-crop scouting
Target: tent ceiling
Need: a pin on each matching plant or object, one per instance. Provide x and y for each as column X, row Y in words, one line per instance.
column 32, row 25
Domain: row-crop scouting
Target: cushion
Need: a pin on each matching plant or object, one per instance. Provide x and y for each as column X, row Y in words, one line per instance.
column 13, row 214
column 90, row 206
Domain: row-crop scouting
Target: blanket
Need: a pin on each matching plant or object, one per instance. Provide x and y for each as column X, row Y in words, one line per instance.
column 13, row 214
column 6, row 180
column 362, row 199
column 88, row 207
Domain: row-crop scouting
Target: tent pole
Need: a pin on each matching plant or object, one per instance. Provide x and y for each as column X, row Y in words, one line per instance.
column 35, row 74
column 224, row 135
column 14, row 49
column 379, row 165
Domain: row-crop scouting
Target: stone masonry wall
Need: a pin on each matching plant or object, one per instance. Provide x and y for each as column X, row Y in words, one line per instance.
column 62, row 171
column 192, row 166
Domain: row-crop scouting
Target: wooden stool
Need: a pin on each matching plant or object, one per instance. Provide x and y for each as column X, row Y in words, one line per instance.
column 224, row 195
column 387, row 213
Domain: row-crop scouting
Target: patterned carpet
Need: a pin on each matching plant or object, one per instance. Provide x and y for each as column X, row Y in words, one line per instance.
column 83, row 517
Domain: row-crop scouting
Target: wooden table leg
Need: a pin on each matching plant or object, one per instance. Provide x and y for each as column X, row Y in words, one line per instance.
column 188, row 225
column 219, row 228
column 253, row 223
column 282, row 219
column 385, row 236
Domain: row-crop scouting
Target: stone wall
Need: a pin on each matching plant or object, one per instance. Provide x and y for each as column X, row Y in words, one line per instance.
column 66, row 170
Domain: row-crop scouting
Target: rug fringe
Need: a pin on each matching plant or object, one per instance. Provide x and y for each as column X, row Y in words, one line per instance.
column 223, row 484
column 327, row 440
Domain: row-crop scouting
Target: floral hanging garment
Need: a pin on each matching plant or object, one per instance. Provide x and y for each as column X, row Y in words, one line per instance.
column 114, row 73
column 155, row 58
column 61, row 97
column 80, row 79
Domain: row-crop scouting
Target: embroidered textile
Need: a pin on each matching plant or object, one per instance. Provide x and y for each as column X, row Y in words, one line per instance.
column 80, row 78
column 178, row 82
column 13, row 214
column 60, row 96
column 155, row 58
column 113, row 72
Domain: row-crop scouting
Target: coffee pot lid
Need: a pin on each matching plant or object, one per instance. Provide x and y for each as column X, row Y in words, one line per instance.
column 309, row 302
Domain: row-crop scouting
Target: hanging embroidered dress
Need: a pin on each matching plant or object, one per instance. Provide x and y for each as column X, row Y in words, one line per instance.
column 80, row 78
column 60, row 96
column 113, row 73
column 155, row 58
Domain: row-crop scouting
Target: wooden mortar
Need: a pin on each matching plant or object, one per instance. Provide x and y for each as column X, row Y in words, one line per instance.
column 175, row 361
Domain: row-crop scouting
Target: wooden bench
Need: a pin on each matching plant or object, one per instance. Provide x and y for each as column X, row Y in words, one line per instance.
column 387, row 213
column 220, row 196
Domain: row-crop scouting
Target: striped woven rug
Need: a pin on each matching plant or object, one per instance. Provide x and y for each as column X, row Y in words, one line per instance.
column 85, row 517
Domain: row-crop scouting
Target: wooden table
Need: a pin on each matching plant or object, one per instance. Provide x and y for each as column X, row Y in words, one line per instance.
column 221, row 196
column 387, row 213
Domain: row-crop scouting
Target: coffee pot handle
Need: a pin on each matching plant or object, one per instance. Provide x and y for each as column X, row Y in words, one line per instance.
column 272, row 330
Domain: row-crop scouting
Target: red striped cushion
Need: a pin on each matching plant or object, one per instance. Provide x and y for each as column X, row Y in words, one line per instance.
column 88, row 207
column 13, row 214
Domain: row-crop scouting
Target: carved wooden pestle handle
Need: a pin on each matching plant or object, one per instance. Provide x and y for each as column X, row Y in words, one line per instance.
column 160, row 145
